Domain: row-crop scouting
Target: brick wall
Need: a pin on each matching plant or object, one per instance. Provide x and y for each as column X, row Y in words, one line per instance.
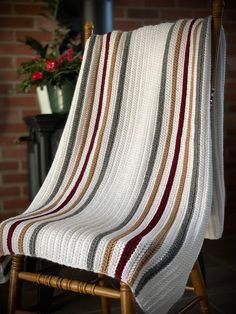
column 18, row 18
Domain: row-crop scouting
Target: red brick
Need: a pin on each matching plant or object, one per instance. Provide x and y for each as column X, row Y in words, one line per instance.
column 19, row 60
column 7, row 140
column 15, row 178
column 16, row 204
column 160, row 3
column 6, row 35
column 129, row 3
column 8, row 75
column 9, row 191
column 7, row 90
column 15, row 49
column 14, row 153
column 7, row 214
column 142, row 13
column 28, row 9
column 193, row 3
column 5, row 8
column 231, row 156
column 41, row 36
column 230, row 131
column 230, row 98
column 230, row 178
column 198, row 13
column 14, row 128
column 231, row 197
column 23, row 22
column 231, row 73
column 24, row 165
column 27, row 101
column 9, row 116
column 152, row 21
column 118, row 12
column 230, row 14
column 230, row 163
column 230, row 140
column 232, row 108
column 230, row 175
column 26, row 190
column 30, row 113
column 5, row 62
column 230, row 185
column 230, row 27
column 230, row 5
column 127, row 24
column 230, row 85
column 175, row 14
column 231, row 50
column 230, row 218
column 231, row 68
column 8, row 165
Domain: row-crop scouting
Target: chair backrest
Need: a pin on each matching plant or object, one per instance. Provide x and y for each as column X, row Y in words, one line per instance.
column 217, row 13
column 88, row 30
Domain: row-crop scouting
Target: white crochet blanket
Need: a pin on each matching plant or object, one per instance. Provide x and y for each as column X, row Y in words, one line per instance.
column 137, row 181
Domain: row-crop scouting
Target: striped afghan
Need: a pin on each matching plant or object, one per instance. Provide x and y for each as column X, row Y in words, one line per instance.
column 137, row 181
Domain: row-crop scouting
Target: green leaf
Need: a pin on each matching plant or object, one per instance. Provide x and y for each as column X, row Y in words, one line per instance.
column 35, row 45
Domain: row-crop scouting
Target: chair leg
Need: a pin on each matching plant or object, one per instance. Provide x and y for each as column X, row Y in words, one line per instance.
column 104, row 300
column 15, row 284
column 126, row 299
column 200, row 289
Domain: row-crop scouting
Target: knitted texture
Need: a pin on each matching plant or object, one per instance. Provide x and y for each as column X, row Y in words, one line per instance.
column 139, row 164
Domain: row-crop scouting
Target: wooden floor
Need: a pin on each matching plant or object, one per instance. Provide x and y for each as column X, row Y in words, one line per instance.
column 220, row 262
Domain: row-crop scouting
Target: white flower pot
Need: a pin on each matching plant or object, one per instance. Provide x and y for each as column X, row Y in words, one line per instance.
column 44, row 103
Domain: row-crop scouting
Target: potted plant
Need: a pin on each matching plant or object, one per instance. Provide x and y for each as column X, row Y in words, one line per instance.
column 55, row 67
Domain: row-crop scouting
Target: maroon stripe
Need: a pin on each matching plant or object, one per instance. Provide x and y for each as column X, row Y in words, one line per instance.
column 72, row 192
column 132, row 243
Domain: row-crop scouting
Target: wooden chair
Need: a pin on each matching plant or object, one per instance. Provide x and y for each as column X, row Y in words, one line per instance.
column 100, row 288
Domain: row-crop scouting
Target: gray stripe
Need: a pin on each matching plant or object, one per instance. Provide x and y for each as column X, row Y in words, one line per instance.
column 74, row 127
column 75, row 121
column 151, row 161
column 109, row 146
column 71, row 142
column 180, row 238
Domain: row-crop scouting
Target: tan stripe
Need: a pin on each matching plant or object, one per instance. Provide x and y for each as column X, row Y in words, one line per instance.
column 112, row 243
column 83, row 140
column 87, row 123
column 78, row 157
column 107, row 107
column 159, row 239
column 98, row 146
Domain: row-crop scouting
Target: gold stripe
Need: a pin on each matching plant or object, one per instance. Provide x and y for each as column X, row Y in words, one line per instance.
column 99, row 142
column 159, row 239
column 112, row 243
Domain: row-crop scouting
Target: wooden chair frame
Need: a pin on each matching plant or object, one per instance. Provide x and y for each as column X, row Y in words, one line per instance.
column 100, row 288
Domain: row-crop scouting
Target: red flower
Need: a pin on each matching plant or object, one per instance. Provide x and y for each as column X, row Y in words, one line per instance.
column 37, row 76
column 51, row 65
column 70, row 54
column 80, row 57
column 61, row 58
